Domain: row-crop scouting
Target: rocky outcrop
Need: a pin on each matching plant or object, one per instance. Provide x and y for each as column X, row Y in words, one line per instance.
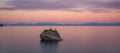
column 1, row 25
column 50, row 35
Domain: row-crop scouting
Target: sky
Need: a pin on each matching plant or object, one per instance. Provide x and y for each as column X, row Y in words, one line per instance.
column 59, row 11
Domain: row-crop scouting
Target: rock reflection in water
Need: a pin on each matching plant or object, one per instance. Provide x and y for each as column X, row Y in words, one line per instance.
column 49, row 46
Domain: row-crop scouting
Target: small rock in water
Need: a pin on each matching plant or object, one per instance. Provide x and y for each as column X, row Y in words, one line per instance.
column 1, row 25
column 50, row 35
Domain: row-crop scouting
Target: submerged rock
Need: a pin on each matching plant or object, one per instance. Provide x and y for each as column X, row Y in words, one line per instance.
column 50, row 35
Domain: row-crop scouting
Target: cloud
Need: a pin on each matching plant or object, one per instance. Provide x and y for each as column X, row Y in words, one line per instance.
column 39, row 4
column 5, row 7
column 97, row 10
column 90, row 5
column 108, row 5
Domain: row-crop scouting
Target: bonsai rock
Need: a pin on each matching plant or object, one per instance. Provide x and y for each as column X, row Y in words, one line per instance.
column 50, row 35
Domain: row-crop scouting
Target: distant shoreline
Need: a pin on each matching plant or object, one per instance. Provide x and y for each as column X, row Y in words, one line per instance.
column 59, row 24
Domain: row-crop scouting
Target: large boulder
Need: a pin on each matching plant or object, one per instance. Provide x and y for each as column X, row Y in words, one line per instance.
column 49, row 34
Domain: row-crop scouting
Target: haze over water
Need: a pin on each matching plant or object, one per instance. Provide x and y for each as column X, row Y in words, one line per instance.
column 77, row 39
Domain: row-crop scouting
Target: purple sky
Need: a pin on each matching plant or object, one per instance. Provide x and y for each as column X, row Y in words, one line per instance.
column 61, row 11
column 71, row 5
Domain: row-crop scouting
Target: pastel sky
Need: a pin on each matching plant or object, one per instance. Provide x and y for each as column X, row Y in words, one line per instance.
column 59, row 11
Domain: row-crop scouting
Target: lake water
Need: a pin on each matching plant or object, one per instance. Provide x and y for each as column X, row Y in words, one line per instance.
column 77, row 39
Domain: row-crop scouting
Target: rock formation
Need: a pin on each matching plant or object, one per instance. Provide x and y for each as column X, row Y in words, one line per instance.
column 1, row 25
column 50, row 35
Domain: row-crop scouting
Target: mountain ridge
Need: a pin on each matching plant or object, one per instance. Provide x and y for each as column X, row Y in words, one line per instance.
column 59, row 24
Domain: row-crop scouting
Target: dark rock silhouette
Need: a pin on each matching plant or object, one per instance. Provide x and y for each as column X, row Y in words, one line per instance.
column 1, row 25
column 50, row 35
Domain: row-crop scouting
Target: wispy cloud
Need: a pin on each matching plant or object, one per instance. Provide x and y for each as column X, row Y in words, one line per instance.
column 40, row 4
column 70, row 5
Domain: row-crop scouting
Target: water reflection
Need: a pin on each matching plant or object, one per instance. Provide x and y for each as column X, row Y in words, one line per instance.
column 49, row 46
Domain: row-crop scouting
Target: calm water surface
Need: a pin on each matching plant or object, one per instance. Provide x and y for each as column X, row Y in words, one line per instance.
column 77, row 39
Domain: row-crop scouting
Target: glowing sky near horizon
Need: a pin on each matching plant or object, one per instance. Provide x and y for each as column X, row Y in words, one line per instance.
column 59, row 11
